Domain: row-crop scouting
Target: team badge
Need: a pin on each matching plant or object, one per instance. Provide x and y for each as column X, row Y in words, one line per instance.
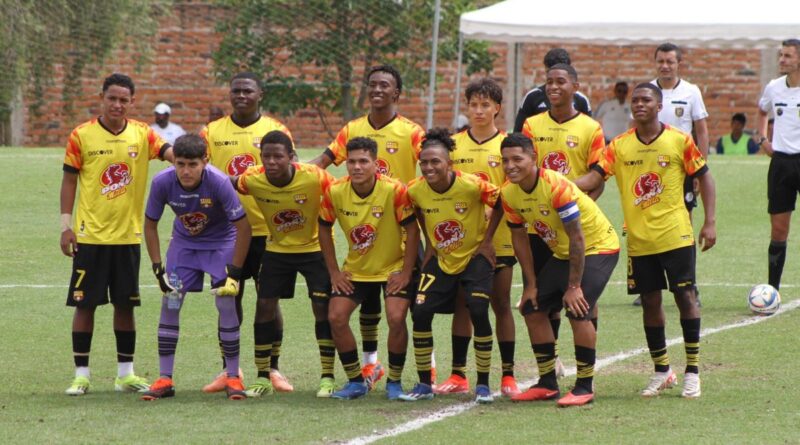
column 133, row 151
column 257, row 142
column 115, row 180
column 420, row 299
column 363, row 238
column 494, row 161
column 556, row 161
column 646, row 189
column 779, row 111
column 448, row 235
column 544, row 210
column 663, row 161
column 288, row 220
column 678, row 111
column 461, row 207
column 383, row 167
column 238, row 164
column 572, row 141
column 77, row 295
column 377, row 211
column 206, row 202
column 300, row 198
column 392, row 147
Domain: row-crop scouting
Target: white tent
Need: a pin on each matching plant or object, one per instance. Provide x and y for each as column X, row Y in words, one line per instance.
column 621, row 22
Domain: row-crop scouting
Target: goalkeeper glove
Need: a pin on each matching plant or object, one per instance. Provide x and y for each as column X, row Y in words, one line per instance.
column 158, row 271
column 230, row 288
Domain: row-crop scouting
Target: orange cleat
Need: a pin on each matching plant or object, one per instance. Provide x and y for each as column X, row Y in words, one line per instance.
column 575, row 400
column 160, row 389
column 279, row 381
column 536, row 393
column 508, row 386
column 372, row 373
column 218, row 384
column 455, row 384
column 235, row 388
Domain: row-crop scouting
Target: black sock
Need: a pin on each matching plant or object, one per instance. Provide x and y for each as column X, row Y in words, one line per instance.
column 507, row 357
column 777, row 257
column 81, row 345
column 277, row 342
column 460, row 350
column 657, row 344
column 126, row 345
column 397, row 362
column 351, row 365
column 691, row 343
column 327, row 351
column 263, row 334
column 546, row 362
column 584, row 359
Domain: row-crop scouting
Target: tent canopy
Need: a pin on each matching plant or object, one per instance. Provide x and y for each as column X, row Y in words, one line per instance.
column 688, row 22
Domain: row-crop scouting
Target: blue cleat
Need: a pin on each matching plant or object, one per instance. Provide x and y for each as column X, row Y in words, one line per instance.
column 421, row 391
column 394, row 390
column 350, row 391
column 483, row 394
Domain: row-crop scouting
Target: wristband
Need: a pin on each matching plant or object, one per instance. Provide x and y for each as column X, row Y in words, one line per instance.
column 66, row 222
column 234, row 272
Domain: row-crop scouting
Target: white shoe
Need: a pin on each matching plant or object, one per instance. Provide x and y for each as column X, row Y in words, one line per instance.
column 691, row 385
column 659, row 382
column 560, row 370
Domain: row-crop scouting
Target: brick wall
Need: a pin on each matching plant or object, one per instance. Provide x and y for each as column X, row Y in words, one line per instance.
column 182, row 76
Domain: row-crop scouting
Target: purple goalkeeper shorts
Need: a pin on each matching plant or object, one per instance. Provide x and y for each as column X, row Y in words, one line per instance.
column 185, row 267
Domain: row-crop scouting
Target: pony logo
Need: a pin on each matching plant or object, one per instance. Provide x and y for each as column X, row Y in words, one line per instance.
column 546, row 233
column 484, row 176
column 115, row 180
column 288, row 220
column 646, row 189
column 556, row 161
column 238, row 164
column 392, row 147
column 448, row 235
column 377, row 211
column 383, row 167
column 494, row 161
column 461, row 207
column 194, row 222
column 363, row 238
column 572, row 141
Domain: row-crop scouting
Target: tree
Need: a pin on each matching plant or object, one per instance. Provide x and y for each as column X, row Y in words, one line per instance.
column 281, row 40
column 38, row 35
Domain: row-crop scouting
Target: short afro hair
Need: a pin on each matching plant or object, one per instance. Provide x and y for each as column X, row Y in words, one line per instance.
column 555, row 56
column 438, row 137
column 391, row 71
column 280, row 138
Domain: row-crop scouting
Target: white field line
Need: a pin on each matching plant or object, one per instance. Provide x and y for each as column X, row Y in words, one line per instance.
column 458, row 408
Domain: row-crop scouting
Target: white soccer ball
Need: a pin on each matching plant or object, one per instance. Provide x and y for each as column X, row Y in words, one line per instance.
column 764, row 299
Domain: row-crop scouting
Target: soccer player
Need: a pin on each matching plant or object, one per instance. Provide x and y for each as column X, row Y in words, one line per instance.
column 781, row 97
column 650, row 162
column 536, row 100
column 288, row 195
column 398, row 141
column 478, row 152
column 210, row 231
column 585, row 251
column 107, row 159
column 458, row 252
column 566, row 141
column 233, row 146
column 371, row 209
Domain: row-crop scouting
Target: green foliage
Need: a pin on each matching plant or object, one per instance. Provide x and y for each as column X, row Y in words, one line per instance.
column 37, row 36
column 280, row 40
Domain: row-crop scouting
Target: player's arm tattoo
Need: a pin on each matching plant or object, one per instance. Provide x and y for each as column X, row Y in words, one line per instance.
column 577, row 251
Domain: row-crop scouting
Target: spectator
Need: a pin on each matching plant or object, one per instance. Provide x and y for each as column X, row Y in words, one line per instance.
column 166, row 129
column 737, row 142
column 614, row 114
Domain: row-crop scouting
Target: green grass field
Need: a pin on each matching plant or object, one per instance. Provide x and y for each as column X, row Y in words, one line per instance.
column 749, row 373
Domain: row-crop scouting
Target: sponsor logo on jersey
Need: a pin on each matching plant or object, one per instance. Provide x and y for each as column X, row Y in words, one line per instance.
column 288, row 220
column 546, row 233
column 461, row 207
column 646, row 189
column 377, row 211
column 300, row 198
column 557, row 161
column 194, row 222
column 115, row 180
column 383, row 167
column 572, row 141
column 362, row 238
column 239, row 163
column 663, row 161
column 448, row 235
column 679, row 111
column 133, row 151
column 544, row 210
column 482, row 175
column 494, row 161
column 392, row 147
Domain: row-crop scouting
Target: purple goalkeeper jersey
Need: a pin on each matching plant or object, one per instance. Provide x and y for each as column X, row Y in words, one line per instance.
column 203, row 216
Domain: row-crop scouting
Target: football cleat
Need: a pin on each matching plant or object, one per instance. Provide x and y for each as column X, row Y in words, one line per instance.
column 261, row 387
column 394, row 390
column 455, row 384
column 79, row 387
column 536, row 393
column 372, row 372
column 508, row 386
column 659, row 382
column 483, row 394
column 421, row 391
column 131, row 383
column 235, row 388
column 160, row 389
column 691, row 385
column 218, row 384
column 575, row 400
column 351, row 390
column 279, row 381
column 326, row 388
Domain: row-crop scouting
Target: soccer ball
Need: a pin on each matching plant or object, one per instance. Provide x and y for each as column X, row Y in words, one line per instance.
column 764, row 299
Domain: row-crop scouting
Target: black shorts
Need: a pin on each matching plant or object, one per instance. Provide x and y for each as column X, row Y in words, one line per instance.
column 100, row 271
column 783, row 182
column 437, row 289
column 252, row 262
column 371, row 290
column 553, row 281
column 279, row 273
column 646, row 273
column 502, row 262
column 541, row 253
column 689, row 198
